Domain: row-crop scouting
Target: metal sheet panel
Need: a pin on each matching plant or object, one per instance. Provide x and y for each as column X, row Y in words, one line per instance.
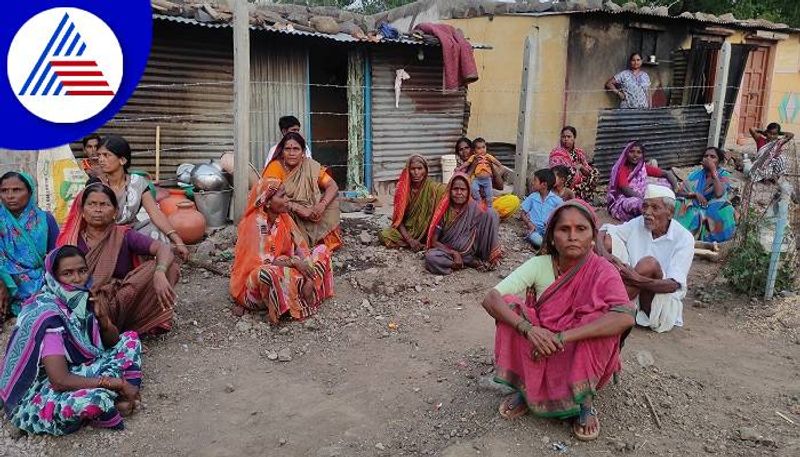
column 428, row 120
column 674, row 136
column 187, row 90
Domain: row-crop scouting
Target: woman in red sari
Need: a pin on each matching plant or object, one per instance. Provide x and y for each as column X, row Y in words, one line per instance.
column 560, row 344
column 582, row 176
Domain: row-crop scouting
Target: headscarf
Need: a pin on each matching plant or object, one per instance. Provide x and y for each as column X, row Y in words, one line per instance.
column 402, row 193
column 638, row 176
column 58, row 308
column 268, row 187
column 23, row 246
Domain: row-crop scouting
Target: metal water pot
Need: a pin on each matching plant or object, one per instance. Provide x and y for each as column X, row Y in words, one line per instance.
column 207, row 176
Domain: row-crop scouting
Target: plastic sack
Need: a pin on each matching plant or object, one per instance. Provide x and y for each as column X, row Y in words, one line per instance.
column 59, row 179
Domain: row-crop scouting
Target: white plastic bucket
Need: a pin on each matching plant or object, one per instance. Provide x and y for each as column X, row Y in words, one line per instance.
column 449, row 164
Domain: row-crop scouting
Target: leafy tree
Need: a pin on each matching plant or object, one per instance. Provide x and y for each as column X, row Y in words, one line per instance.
column 784, row 11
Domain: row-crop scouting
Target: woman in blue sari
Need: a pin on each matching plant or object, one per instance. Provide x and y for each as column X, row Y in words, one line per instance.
column 703, row 205
column 27, row 234
column 66, row 365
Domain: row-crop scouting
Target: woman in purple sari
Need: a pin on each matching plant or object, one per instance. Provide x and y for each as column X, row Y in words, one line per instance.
column 462, row 234
column 628, row 182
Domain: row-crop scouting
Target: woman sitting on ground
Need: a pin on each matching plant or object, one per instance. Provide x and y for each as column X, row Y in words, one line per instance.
column 702, row 205
column 770, row 162
column 628, row 182
column 27, row 234
column 583, row 177
column 312, row 192
column 415, row 199
column 133, row 193
column 136, row 294
column 66, row 364
column 462, row 234
column 559, row 320
column 273, row 267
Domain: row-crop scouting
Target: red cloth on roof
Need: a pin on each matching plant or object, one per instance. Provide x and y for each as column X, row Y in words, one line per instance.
column 459, row 62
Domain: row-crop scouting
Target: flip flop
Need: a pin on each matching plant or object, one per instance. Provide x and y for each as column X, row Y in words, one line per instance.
column 507, row 409
column 582, row 421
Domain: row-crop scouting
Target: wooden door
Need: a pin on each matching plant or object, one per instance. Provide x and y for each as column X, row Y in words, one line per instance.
column 753, row 92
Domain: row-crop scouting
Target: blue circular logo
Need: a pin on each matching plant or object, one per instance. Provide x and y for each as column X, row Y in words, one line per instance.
column 70, row 67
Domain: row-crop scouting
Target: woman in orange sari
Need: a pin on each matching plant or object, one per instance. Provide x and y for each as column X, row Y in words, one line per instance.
column 274, row 269
column 311, row 191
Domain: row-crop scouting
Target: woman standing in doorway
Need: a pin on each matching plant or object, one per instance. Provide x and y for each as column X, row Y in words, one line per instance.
column 631, row 85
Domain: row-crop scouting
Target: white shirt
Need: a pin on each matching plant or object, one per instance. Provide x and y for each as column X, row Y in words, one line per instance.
column 271, row 153
column 673, row 250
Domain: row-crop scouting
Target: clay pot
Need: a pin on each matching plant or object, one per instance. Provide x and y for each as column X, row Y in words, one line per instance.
column 169, row 204
column 188, row 222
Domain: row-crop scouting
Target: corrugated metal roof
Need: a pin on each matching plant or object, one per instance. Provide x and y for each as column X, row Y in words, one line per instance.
column 340, row 37
column 674, row 136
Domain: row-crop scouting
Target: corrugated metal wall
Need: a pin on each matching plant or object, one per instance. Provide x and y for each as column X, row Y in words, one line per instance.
column 187, row 89
column 428, row 121
column 279, row 87
column 675, row 136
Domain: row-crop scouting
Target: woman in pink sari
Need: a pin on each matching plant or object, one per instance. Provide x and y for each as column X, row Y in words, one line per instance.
column 628, row 181
column 582, row 177
column 560, row 344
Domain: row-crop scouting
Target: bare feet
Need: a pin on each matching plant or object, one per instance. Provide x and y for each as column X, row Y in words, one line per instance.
column 513, row 406
column 238, row 311
column 309, row 292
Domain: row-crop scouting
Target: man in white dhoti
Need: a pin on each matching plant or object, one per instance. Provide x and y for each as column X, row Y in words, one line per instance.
column 653, row 253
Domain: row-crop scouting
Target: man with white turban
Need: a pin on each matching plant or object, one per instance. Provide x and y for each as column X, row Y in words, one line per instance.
column 653, row 253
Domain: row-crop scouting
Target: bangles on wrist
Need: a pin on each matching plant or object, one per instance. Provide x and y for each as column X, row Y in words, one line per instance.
column 161, row 267
column 524, row 327
column 104, row 383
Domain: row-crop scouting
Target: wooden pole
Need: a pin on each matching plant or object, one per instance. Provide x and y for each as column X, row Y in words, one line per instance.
column 158, row 153
column 241, row 105
column 720, row 89
column 524, row 136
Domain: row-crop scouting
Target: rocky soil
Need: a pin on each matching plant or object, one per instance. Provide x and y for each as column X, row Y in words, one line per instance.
column 400, row 363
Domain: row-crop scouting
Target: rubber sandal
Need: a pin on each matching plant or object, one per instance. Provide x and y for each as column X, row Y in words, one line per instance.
column 583, row 419
column 508, row 413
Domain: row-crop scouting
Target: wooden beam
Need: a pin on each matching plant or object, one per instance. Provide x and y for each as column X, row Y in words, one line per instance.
column 720, row 89
column 241, row 106
column 524, row 135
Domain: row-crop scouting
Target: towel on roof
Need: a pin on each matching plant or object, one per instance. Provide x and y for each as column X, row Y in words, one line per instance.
column 459, row 62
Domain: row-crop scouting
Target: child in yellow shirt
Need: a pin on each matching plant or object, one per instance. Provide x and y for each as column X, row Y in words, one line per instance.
column 479, row 167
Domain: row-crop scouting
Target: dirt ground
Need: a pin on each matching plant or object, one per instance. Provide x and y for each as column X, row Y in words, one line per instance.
column 399, row 362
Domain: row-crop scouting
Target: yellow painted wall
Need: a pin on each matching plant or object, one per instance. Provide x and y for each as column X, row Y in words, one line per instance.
column 494, row 97
column 784, row 88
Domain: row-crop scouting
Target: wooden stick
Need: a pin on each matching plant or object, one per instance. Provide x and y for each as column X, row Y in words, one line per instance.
column 707, row 254
column 208, row 266
column 784, row 417
column 652, row 410
column 158, row 153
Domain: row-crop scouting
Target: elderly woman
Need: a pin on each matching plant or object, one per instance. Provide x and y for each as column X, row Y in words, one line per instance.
column 27, row 234
column 274, row 268
column 462, row 234
column 311, row 191
column 702, row 205
column 415, row 199
column 133, row 194
column 66, row 365
column 631, row 85
column 770, row 163
column 559, row 320
column 582, row 178
column 135, row 290
column 628, row 182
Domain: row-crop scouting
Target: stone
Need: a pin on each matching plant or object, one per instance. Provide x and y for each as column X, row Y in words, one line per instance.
column 282, row 441
column 205, row 251
column 661, row 11
column 285, row 355
column 545, row 440
column 613, row 7
column 243, row 326
column 272, row 355
column 630, row 6
column 380, row 447
column 645, row 358
column 418, row 288
column 229, row 388
column 749, row 434
column 365, row 237
column 367, row 305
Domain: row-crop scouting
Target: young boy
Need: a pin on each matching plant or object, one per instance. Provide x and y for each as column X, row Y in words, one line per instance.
column 479, row 167
column 538, row 205
column 560, row 188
